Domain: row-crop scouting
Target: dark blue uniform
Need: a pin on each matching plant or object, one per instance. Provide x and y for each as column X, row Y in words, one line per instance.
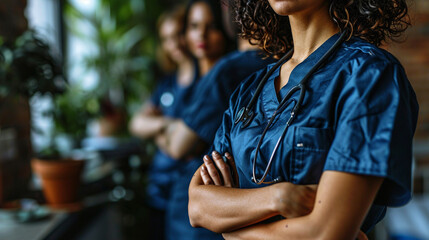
column 204, row 115
column 358, row 116
column 170, row 98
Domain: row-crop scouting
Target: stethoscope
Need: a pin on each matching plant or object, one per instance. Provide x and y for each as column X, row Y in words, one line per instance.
column 246, row 114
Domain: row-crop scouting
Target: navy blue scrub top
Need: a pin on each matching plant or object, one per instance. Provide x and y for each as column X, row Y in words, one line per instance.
column 211, row 99
column 203, row 114
column 358, row 116
column 170, row 98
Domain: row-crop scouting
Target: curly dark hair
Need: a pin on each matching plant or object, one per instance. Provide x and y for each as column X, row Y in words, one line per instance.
column 375, row 21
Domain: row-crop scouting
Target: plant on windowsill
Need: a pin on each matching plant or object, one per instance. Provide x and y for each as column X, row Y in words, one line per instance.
column 27, row 69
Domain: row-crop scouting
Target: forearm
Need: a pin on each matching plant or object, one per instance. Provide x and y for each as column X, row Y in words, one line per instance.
column 148, row 126
column 296, row 228
column 223, row 209
column 303, row 229
column 179, row 141
column 306, row 227
column 337, row 215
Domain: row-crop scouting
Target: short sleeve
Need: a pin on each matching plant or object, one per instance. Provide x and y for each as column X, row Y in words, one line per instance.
column 208, row 102
column 376, row 115
column 155, row 98
column 163, row 85
column 212, row 96
column 222, row 140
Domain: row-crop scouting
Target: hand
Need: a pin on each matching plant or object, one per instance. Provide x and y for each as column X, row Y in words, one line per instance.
column 362, row 236
column 162, row 139
column 218, row 172
column 230, row 236
column 294, row 200
column 150, row 109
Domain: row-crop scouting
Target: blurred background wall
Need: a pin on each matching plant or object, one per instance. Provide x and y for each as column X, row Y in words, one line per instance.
column 14, row 114
column 413, row 53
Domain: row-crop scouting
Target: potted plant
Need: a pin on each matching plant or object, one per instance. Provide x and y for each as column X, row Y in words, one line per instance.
column 28, row 68
column 60, row 180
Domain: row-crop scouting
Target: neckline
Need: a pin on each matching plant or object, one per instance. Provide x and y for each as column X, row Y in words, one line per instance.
column 303, row 67
column 269, row 94
column 195, row 77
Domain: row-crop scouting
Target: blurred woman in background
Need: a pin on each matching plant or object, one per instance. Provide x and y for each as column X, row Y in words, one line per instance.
column 163, row 107
column 208, row 42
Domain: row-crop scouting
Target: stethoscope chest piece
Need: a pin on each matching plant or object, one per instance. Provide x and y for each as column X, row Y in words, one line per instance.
column 245, row 115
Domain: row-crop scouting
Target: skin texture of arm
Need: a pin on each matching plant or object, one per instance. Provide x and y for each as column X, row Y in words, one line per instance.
column 179, row 141
column 240, row 207
column 148, row 123
column 342, row 203
column 223, row 209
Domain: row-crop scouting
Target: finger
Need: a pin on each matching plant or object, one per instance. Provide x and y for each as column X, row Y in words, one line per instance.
column 223, row 168
column 233, row 167
column 362, row 236
column 309, row 191
column 309, row 199
column 211, row 169
column 205, row 176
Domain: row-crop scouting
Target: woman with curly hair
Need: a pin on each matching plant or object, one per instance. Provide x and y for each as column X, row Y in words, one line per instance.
column 336, row 111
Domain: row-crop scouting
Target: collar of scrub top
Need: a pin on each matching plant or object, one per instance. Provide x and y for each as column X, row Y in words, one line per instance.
column 246, row 114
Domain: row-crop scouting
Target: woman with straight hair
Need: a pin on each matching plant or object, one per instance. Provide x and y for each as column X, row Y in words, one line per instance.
column 207, row 41
column 163, row 107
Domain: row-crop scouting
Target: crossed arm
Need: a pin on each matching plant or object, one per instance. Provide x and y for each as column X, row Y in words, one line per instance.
column 149, row 122
column 214, row 203
column 179, row 141
column 341, row 204
column 173, row 136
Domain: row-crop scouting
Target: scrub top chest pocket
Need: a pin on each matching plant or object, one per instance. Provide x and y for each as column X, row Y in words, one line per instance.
column 310, row 148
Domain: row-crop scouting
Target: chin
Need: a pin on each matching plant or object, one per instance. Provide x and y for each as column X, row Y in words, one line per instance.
column 200, row 53
column 283, row 7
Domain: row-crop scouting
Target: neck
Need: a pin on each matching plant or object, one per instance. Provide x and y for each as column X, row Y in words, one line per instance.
column 206, row 64
column 310, row 31
column 185, row 72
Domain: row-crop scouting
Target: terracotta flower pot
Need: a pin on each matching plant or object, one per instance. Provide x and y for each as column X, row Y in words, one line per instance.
column 60, row 179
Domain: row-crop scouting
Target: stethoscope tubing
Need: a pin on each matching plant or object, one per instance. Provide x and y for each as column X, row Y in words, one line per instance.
column 246, row 115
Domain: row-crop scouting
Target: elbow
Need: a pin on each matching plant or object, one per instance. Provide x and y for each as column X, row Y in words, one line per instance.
column 194, row 209
column 135, row 128
column 197, row 220
column 176, row 155
column 176, row 152
column 194, row 218
column 197, row 217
